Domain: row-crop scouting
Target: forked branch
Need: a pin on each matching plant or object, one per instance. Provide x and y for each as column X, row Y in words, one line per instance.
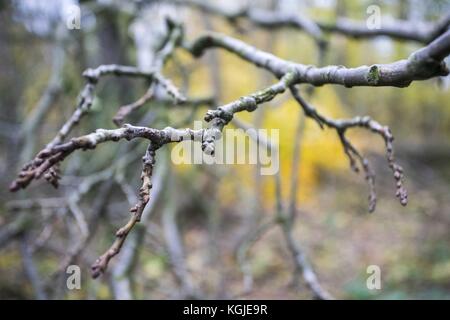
column 423, row 64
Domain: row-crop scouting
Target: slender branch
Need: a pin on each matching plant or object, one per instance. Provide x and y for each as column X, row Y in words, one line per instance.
column 286, row 222
column 175, row 248
column 260, row 17
column 53, row 89
column 396, row 29
column 129, row 108
column 31, row 271
column 296, row 154
column 122, row 273
column 14, row 229
column 101, row 263
column 221, row 116
column 169, row 43
column 302, row 265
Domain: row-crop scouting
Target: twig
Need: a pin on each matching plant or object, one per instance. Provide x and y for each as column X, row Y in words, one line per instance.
column 31, row 271
column 175, row 248
column 286, row 223
column 144, row 196
column 169, row 43
column 37, row 115
column 341, row 126
column 122, row 274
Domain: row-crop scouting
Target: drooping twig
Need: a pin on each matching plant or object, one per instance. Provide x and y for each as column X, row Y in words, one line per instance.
column 144, row 196
column 123, row 271
column 341, row 126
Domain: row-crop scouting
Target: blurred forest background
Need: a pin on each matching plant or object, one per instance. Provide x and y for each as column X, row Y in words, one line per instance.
column 195, row 243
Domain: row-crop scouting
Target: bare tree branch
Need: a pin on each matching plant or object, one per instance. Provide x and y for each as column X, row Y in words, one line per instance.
column 423, row 64
column 396, row 29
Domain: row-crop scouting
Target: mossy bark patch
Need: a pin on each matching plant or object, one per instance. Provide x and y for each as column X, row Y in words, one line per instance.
column 373, row 76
